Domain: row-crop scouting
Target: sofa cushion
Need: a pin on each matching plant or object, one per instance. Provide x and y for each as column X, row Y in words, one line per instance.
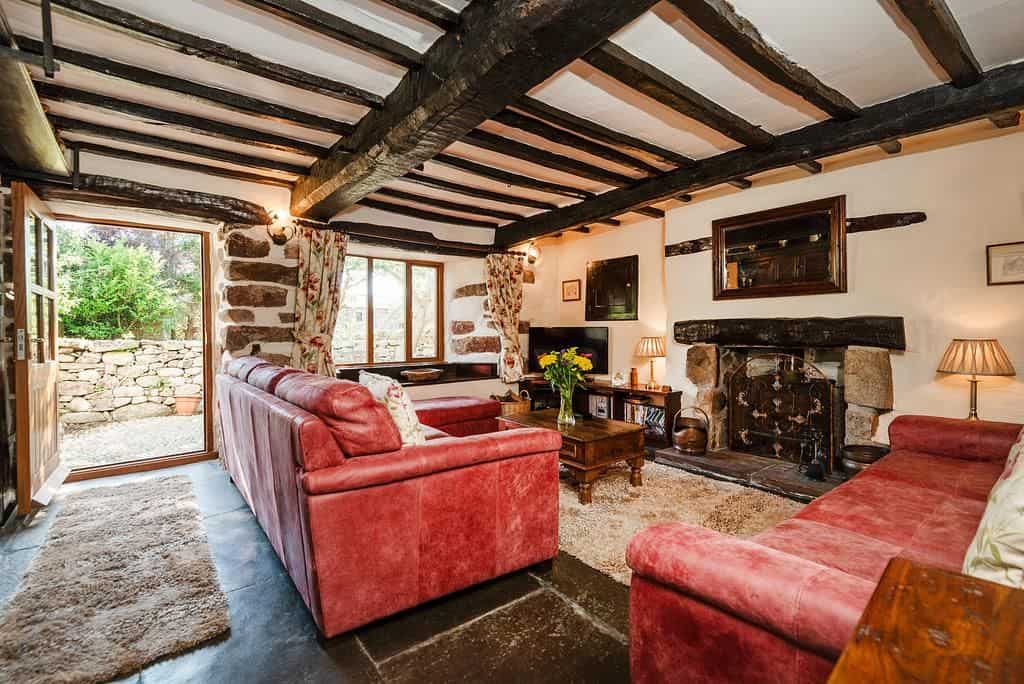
column 390, row 392
column 997, row 551
column 266, row 377
column 358, row 422
column 243, row 365
column 968, row 479
column 447, row 410
column 430, row 432
column 980, row 440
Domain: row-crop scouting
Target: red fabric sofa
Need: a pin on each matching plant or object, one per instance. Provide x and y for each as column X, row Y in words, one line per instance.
column 365, row 526
column 779, row 607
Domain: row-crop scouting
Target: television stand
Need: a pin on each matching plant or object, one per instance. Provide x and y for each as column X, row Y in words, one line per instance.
column 665, row 401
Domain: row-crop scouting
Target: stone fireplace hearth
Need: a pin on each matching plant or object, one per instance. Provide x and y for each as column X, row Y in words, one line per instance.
column 799, row 400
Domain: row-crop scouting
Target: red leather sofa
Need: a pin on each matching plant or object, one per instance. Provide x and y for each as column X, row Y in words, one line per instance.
column 365, row 526
column 707, row 607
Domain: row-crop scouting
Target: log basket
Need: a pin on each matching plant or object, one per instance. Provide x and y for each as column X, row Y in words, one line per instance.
column 690, row 434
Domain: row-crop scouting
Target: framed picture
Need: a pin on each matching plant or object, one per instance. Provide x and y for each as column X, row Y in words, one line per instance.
column 571, row 290
column 1006, row 263
column 612, row 289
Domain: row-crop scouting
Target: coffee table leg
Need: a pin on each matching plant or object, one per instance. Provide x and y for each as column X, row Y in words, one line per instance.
column 636, row 477
column 586, row 492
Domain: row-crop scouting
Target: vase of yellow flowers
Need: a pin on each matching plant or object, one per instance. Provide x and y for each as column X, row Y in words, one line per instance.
column 564, row 370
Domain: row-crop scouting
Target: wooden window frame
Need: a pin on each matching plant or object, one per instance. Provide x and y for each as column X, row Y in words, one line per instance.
column 438, row 266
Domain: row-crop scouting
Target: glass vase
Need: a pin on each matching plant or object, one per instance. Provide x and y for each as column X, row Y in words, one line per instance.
column 565, row 413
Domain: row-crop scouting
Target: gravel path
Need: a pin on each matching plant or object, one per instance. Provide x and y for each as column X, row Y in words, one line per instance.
column 131, row 440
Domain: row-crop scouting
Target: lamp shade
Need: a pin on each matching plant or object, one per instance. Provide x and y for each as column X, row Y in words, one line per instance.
column 976, row 357
column 650, row 347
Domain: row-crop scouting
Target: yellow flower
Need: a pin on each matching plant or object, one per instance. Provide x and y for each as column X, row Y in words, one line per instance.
column 547, row 360
column 584, row 363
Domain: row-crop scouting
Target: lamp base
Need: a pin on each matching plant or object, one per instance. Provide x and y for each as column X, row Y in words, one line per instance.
column 973, row 415
column 651, row 385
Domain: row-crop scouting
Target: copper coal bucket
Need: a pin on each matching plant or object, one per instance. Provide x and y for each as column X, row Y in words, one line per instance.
column 690, row 434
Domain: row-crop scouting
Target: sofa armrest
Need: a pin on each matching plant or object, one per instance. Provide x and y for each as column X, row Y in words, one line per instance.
column 811, row 605
column 971, row 440
column 435, row 456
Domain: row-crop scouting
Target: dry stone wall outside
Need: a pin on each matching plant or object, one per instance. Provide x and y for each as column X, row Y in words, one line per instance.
column 115, row 380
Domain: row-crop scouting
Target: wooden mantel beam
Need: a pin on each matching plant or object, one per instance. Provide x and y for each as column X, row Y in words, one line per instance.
column 942, row 36
column 930, row 109
column 503, row 49
column 718, row 19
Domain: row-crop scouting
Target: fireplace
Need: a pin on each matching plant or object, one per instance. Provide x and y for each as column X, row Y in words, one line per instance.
column 796, row 390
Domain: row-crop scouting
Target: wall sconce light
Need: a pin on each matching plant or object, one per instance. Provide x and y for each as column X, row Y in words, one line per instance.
column 280, row 231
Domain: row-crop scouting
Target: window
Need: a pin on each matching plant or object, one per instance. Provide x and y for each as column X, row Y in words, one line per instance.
column 390, row 312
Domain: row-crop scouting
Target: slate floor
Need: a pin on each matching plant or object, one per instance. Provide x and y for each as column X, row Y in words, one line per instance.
column 563, row 622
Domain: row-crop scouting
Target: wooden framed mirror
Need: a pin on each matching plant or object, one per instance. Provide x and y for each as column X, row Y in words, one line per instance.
column 794, row 250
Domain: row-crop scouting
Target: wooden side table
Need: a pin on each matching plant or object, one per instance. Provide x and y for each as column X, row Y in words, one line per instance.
column 928, row 625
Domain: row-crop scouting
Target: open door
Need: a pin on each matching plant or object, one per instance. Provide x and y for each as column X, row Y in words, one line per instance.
column 35, row 349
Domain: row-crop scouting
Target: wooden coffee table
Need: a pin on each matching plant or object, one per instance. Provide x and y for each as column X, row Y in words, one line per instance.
column 589, row 446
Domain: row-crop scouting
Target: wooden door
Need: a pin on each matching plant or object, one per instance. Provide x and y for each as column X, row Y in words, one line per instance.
column 35, row 348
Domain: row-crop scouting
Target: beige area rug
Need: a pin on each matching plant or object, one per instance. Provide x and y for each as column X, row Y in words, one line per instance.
column 598, row 533
column 124, row 578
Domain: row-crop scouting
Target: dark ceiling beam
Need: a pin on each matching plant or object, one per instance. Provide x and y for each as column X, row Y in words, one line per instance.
column 428, row 10
column 927, row 110
column 217, row 96
column 177, row 120
column 942, row 36
column 550, row 160
column 502, row 50
column 334, row 27
column 75, row 126
column 560, row 136
column 596, row 131
column 478, row 193
column 510, row 178
column 735, row 33
column 196, row 167
column 645, row 78
column 405, row 238
column 891, row 146
column 424, row 214
column 448, row 204
column 120, row 192
column 154, row 33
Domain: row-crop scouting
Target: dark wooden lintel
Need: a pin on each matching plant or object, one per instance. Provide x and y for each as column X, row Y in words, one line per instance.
column 886, row 332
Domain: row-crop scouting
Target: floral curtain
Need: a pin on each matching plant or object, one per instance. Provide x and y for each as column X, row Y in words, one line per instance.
column 317, row 299
column 505, row 296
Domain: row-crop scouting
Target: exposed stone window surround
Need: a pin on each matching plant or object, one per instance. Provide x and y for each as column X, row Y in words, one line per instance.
column 472, row 335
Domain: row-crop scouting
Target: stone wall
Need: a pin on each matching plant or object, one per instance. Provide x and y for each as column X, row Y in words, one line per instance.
column 255, row 285
column 114, row 380
column 472, row 335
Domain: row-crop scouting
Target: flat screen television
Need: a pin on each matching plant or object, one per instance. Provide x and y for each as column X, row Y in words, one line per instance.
column 591, row 341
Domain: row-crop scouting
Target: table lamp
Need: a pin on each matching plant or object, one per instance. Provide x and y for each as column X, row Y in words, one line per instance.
column 974, row 358
column 651, row 348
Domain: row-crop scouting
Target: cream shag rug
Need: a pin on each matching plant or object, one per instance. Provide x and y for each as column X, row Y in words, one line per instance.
column 598, row 533
column 124, row 578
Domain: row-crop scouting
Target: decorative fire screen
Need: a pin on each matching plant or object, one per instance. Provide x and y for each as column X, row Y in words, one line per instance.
column 781, row 406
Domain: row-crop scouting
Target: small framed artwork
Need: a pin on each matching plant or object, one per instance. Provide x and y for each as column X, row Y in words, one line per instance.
column 1006, row 263
column 571, row 291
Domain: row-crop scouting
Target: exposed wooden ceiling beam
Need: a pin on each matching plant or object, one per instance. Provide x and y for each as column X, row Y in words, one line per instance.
column 428, row 10
column 120, row 192
column 535, row 155
column 75, row 126
column 424, row 214
column 510, row 178
column 931, row 109
column 154, row 33
column 656, row 84
column 159, row 160
column 561, row 136
column 405, row 238
column 331, row 25
column 504, row 48
column 217, row 96
column 718, row 19
column 177, row 120
column 478, row 193
column 942, row 36
column 448, row 204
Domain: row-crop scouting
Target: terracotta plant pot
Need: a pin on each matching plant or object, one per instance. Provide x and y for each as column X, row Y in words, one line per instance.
column 186, row 406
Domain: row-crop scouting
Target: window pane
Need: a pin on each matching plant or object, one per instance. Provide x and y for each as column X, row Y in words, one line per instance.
column 388, row 311
column 44, row 256
column 32, row 248
column 32, row 330
column 350, row 332
column 46, row 306
column 424, row 312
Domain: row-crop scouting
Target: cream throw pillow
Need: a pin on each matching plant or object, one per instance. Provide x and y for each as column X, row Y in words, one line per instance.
column 997, row 552
column 390, row 392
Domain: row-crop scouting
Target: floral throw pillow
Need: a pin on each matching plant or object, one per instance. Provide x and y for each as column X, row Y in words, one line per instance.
column 997, row 552
column 390, row 392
